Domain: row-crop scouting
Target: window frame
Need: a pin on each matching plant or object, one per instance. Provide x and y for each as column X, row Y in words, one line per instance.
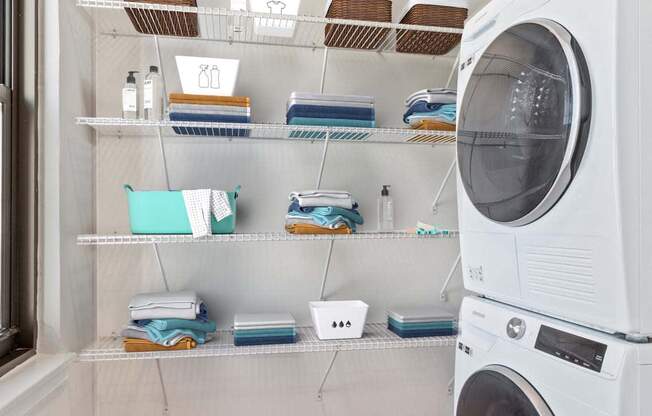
column 18, row 183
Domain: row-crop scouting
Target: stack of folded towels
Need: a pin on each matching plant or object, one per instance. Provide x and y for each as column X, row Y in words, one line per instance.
column 421, row 322
column 264, row 329
column 209, row 109
column 322, row 212
column 432, row 109
column 330, row 110
column 166, row 321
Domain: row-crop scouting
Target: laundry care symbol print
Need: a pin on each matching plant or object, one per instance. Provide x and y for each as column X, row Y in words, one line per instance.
column 276, row 7
column 209, row 79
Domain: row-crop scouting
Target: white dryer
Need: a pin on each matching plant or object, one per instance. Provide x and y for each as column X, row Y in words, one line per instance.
column 511, row 362
column 555, row 159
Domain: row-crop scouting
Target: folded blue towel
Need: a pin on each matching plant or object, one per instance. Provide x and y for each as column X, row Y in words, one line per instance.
column 421, row 107
column 160, row 337
column 264, row 340
column 208, row 118
column 203, row 325
column 260, row 333
column 336, row 135
column 330, row 122
column 446, row 113
column 330, row 221
column 417, row 333
column 420, row 325
column 351, row 214
column 319, row 111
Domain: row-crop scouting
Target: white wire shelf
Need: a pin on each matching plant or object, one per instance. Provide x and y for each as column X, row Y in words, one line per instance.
column 375, row 337
column 101, row 240
column 126, row 127
column 220, row 24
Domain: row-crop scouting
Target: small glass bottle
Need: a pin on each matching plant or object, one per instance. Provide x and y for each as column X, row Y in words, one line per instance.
column 153, row 95
column 385, row 210
column 130, row 97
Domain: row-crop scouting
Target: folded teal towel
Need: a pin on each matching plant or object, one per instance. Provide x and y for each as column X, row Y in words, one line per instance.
column 271, row 332
column 163, row 337
column 203, row 325
column 420, row 325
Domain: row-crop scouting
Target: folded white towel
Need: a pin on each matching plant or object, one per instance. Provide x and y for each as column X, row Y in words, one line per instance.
column 180, row 305
column 200, row 204
column 319, row 198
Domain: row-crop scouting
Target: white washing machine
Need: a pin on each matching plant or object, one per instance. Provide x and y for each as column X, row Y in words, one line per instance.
column 511, row 362
column 555, row 159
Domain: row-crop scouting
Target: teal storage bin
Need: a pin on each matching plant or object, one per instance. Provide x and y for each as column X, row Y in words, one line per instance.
column 164, row 212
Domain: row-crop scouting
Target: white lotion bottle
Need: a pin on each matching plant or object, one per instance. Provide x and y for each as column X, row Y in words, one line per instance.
column 130, row 97
column 153, row 95
column 385, row 210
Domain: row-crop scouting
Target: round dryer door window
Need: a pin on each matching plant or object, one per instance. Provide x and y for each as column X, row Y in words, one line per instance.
column 499, row 391
column 523, row 122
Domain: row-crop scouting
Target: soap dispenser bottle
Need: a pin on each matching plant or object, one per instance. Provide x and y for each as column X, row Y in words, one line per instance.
column 130, row 97
column 153, row 95
column 385, row 210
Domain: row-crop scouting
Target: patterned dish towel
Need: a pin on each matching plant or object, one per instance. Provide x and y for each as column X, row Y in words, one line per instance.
column 200, row 204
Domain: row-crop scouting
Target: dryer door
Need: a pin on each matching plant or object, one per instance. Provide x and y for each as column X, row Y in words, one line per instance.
column 523, row 122
column 499, row 391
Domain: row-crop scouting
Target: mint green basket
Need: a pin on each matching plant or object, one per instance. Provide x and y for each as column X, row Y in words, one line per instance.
column 164, row 212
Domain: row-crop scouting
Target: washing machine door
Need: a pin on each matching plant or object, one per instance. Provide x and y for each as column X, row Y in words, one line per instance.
column 499, row 391
column 523, row 122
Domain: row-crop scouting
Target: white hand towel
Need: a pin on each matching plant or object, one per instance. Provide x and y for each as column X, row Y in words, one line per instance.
column 318, row 198
column 181, row 305
column 200, row 204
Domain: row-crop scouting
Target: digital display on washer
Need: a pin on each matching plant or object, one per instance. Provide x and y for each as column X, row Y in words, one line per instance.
column 572, row 348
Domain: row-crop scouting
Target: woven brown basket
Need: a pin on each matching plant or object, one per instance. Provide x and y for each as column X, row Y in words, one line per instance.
column 357, row 37
column 431, row 43
column 164, row 23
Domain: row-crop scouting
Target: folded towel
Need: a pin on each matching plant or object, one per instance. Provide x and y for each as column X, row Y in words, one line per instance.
column 179, row 98
column 320, row 111
column 317, row 198
column 140, row 345
column 351, row 214
column 210, row 118
column 315, row 229
column 201, row 204
column 181, row 305
column 327, row 221
column 422, row 107
column 209, row 109
column 165, row 338
column 433, row 95
column 432, row 125
column 330, row 122
column 200, row 324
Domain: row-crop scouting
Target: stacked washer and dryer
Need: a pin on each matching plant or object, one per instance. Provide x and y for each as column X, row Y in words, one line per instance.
column 555, row 209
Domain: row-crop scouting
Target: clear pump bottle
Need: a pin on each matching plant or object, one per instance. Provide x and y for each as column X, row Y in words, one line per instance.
column 153, row 95
column 385, row 210
column 130, row 97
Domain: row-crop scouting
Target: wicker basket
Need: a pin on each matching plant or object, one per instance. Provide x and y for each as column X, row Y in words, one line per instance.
column 431, row 43
column 357, row 37
column 165, row 23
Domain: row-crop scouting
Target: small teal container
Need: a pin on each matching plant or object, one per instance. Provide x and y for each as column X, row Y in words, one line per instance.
column 164, row 212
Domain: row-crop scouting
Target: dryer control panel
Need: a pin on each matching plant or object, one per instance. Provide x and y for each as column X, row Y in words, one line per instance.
column 572, row 348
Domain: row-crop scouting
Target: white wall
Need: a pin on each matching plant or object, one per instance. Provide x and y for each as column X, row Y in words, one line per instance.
column 91, row 298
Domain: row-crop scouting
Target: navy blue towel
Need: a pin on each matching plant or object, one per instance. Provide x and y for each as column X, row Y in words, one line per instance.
column 210, row 118
column 321, row 111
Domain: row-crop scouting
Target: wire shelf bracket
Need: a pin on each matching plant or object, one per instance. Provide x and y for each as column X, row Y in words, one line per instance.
column 449, row 173
column 443, row 293
column 320, row 390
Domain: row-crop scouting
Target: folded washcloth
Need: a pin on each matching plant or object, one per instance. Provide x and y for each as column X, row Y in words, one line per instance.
column 180, row 305
column 200, row 204
column 165, row 338
column 199, row 324
column 317, row 198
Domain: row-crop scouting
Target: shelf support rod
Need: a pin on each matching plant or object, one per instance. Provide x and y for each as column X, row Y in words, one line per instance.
column 451, row 386
column 160, row 267
column 449, row 173
column 163, row 158
column 320, row 391
column 443, row 293
column 165, row 394
column 453, row 71
column 160, row 66
column 326, row 267
column 323, row 158
column 324, row 65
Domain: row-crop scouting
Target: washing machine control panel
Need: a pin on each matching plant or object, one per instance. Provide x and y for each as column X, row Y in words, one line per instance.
column 572, row 348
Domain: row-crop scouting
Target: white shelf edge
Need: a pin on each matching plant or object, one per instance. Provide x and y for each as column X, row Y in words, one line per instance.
column 376, row 337
column 269, row 131
column 134, row 239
